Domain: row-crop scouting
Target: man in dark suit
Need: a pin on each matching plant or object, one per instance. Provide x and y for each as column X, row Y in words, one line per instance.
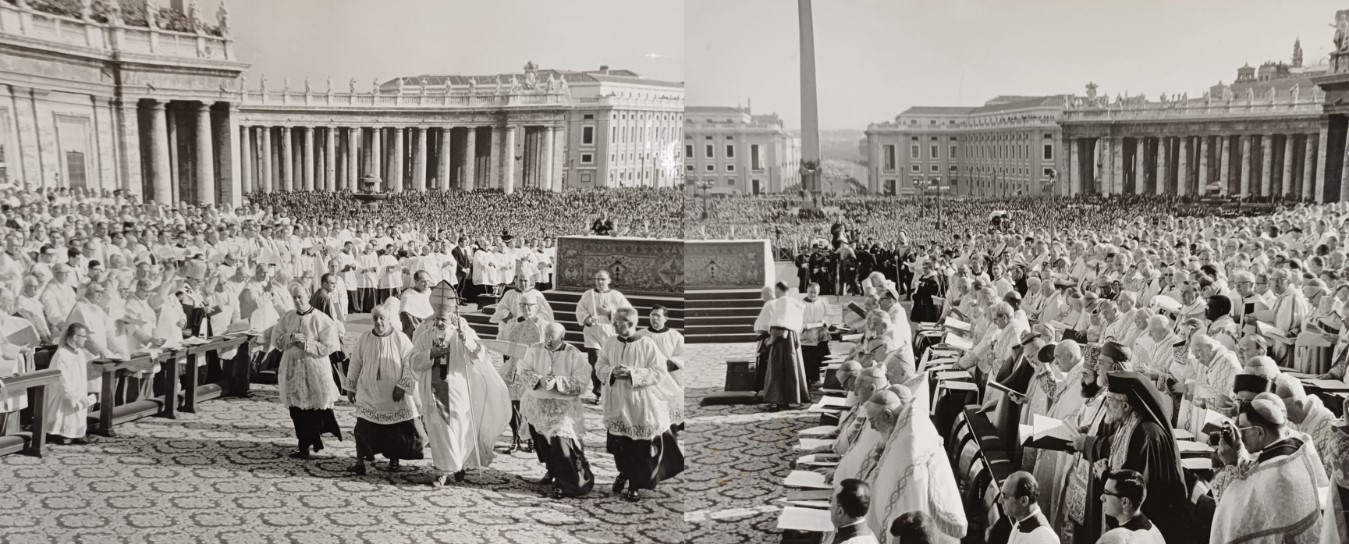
column 802, row 262
column 603, row 226
column 463, row 262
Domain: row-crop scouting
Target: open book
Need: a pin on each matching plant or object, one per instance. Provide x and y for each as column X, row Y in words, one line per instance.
column 806, row 479
column 1051, row 434
column 953, row 323
column 810, row 520
column 1271, row 332
column 1327, row 385
column 958, row 342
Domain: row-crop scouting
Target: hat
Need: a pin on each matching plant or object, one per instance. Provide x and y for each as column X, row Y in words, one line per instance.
column 1046, row 354
column 1143, row 396
column 1166, row 303
column 1251, row 383
column 1116, row 352
column 1269, row 407
column 1011, row 296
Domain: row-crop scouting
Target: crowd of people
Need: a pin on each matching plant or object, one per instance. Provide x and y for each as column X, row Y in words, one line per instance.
column 101, row 276
column 1152, row 376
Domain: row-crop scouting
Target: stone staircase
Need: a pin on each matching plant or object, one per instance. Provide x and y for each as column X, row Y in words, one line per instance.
column 721, row 317
column 564, row 311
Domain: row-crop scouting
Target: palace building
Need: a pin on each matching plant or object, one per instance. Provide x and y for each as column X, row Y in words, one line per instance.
column 730, row 150
column 156, row 103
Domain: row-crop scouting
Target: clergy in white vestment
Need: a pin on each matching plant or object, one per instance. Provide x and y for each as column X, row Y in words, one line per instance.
column 525, row 330
column 555, row 375
column 415, row 302
column 464, row 402
column 67, row 404
column 506, row 307
column 671, row 345
column 304, row 379
column 859, row 431
column 595, row 311
column 1286, row 314
column 912, row 473
column 58, row 298
column 381, row 385
column 637, row 393
column 1281, row 489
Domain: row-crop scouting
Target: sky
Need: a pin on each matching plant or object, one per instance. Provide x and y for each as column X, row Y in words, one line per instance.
column 369, row 39
column 875, row 58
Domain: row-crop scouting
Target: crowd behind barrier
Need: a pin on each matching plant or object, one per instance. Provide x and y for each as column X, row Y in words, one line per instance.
column 1085, row 369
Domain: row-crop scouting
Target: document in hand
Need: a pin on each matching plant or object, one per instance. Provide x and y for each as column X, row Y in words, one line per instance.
column 822, row 430
column 1270, row 331
column 810, row 520
column 953, row 323
column 19, row 332
column 806, row 479
column 958, row 342
column 1051, row 434
column 1327, row 385
column 818, row 460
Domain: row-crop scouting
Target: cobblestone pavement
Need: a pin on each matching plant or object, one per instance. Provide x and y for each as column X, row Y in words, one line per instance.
column 223, row 475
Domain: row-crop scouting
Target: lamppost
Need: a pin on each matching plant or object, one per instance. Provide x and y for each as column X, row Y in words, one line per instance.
column 704, row 185
column 1048, row 187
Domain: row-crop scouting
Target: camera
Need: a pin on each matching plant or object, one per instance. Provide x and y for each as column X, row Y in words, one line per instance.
column 1225, row 433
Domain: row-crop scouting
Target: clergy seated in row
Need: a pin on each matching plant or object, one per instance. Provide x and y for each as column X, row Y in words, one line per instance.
column 858, row 432
column 1136, row 435
column 781, row 371
column 637, row 392
column 507, row 308
column 555, row 374
column 524, row 330
column 463, row 400
column 997, row 348
column 908, row 470
column 1276, row 489
column 381, row 384
column 671, row 346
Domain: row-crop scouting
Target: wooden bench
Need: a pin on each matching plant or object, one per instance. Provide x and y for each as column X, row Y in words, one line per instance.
column 35, row 384
column 233, row 378
column 111, row 413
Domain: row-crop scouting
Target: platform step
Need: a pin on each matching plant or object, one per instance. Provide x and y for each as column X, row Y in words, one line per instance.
column 730, row 398
column 739, row 294
column 699, row 313
column 720, row 338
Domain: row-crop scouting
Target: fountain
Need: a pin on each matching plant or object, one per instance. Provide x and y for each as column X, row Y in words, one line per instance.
column 369, row 192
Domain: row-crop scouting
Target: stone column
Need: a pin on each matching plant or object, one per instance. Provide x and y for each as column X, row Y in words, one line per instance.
column 1308, row 163
column 1266, row 171
column 557, row 161
column 1074, row 181
column 470, row 176
column 230, row 166
column 396, row 161
column 1224, row 165
column 377, row 156
column 495, row 160
column 508, row 162
column 1202, row 187
column 1163, row 149
column 330, row 160
column 353, row 157
column 307, row 140
column 265, row 157
column 1286, row 184
column 546, row 182
column 246, row 159
column 1140, row 165
column 159, row 154
column 1245, row 165
column 287, row 161
column 1183, row 165
column 443, row 158
column 1117, row 165
column 130, row 148
column 1320, row 193
column 205, row 160
column 419, row 160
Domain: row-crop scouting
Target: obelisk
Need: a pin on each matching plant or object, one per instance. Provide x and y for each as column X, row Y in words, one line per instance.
column 810, row 116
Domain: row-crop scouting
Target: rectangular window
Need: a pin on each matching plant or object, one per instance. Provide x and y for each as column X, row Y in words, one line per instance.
column 708, row 151
column 711, row 168
column 1049, row 152
column 730, row 181
column 688, row 168
column 913, row 168
column 936, row 168
column 588, row 135
column 932, row 152
column 587, row 158
column 613, row 137
column 585, row 177
column 755, row 160
column 913, row 152
column 1048, row 173
column 588, row 116
column 952, row 152
column 688, row 150
column 730, row 151
column 730, row 168
column 889, row 158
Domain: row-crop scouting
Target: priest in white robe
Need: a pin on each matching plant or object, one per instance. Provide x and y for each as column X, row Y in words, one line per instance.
column 671, row 345
column 595, row 311
column 67, row 404
column 555, row 375
column 464, row 401
column 381, row 386
column 637, row 393
column 913, row 473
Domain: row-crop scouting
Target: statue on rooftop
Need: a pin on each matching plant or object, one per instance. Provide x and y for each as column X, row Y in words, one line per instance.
column 264, row 83
column 307, row 88
column 499, row 84
column 515, row 84
column 472, row 86
column 351, row 86
column 531, row 77
column 115, row 13
column 1295, row 92
column 194, row 14
column 86, row 9
column 285, row 85
column 374, row 86
column 222, row 17
column 330, row 84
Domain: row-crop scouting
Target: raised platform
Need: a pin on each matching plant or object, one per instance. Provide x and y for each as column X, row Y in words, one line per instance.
column 722, row 290
column 564, row 312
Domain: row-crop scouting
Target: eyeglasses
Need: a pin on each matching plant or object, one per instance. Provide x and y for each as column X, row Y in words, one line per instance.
column 1111, row 493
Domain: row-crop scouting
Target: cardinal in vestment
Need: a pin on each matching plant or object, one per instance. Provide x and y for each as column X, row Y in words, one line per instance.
column 555, row 375
column 465, row 403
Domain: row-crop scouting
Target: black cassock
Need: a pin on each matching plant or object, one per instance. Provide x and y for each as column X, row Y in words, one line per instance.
column 1152, row 452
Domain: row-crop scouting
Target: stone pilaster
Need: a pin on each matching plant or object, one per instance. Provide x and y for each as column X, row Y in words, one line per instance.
column 265, row 180
column 1286, row 184
column 353, row 158
column 129, row 149
column 1266, row 165
column 246, row 159
column 396, row 160
column 1183, row 166
column 287, row 161
column 547, row 163
column 1308, row 166
column 1163, row 150
column 1224, row 164
column 443, row 157
column 1321, row 138
column 1245, row 165
column 1201, row 188
column 1140, row 165
column 470, row 176
column 159, row 154
column 377, row 155
column 508, row 159
column 419, row 160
